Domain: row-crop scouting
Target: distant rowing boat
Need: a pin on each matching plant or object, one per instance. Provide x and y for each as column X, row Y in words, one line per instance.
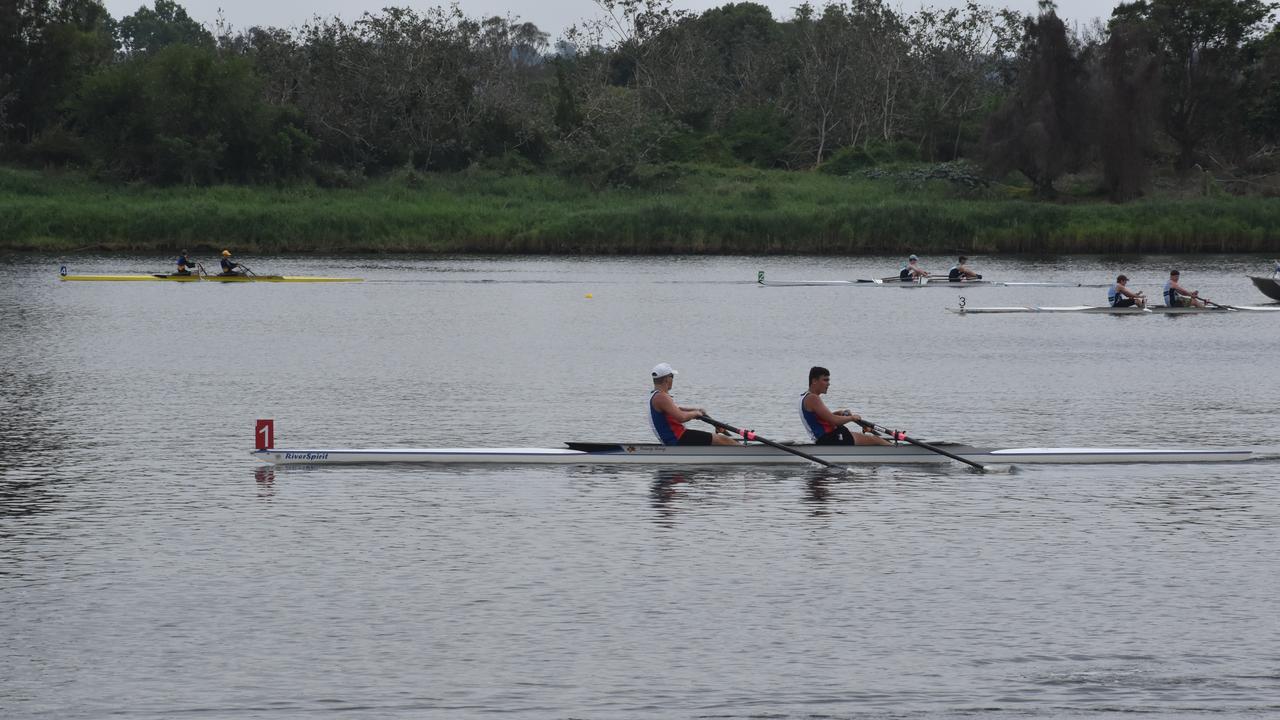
column 578, row 453
column 1107, row 310
column 207, row 278
column 923, row 282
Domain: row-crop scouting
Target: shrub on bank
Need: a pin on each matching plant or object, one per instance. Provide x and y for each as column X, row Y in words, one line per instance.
column 672, row 208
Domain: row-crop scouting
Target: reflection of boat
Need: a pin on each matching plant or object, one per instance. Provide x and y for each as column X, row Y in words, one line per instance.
column 207, row 278
column 1269, row 286
column 653, row 454
column 1107, row 310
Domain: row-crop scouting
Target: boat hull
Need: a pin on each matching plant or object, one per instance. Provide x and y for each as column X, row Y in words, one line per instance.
column 205, row 278
column 130, row 278
column 652, row 454
column 937, row 282
column 1269, row 286
column 1105, row 310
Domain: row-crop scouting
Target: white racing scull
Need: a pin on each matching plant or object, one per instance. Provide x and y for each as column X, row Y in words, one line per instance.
column 1107, row 310
column 581, row 453
column 922, row 282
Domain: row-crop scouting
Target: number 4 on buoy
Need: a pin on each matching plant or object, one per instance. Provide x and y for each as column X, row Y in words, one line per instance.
column 264, row 435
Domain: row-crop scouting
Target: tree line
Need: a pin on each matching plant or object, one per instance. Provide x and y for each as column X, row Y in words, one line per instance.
column 841, row 87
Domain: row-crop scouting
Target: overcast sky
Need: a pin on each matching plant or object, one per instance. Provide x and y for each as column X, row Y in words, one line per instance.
column 552, row 16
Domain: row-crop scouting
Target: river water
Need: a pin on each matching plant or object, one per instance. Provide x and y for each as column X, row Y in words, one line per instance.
column 150, row 568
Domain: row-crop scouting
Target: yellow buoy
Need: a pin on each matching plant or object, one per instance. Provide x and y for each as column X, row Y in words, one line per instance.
column 587, row 296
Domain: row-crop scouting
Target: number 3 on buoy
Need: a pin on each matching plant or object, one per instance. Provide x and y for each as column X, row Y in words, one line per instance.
column 264, row 435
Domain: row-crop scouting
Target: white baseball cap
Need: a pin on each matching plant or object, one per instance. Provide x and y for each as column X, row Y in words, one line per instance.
column 913, row 257
column 662, row 370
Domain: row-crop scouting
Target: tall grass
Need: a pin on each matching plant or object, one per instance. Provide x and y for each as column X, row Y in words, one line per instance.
column 683, row 210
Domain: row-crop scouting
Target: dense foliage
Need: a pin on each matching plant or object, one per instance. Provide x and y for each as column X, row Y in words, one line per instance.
column 842, row 87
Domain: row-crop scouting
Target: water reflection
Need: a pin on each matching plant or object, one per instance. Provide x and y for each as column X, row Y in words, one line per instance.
column 821, row 488
column 265, row 477
column 30, row 442
column 665, row 493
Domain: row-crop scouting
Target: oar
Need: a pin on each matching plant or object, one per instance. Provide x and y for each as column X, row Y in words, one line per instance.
column 246, row 268
column 899, row 435
column 1207, row 301
column 751, row 435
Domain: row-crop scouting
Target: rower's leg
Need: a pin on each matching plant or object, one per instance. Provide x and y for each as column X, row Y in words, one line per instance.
column 869, row 439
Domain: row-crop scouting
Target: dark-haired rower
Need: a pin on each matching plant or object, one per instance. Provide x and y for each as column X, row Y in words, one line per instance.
column 1120, row 296
column 184, row 264
column 826, row 427
column 1177, row 296
column 960, row 271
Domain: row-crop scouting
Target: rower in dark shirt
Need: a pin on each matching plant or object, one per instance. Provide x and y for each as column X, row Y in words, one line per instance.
column 184, row 264
column 1177, row 296
column 912, row 272
column 229, row 267
column 960, row 272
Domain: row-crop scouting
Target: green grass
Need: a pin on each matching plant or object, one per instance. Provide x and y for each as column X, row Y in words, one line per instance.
column 681, row 210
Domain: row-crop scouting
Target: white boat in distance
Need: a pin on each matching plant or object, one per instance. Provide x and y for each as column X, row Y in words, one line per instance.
column 923, row 282
column 575, row 453
column 1107, row 310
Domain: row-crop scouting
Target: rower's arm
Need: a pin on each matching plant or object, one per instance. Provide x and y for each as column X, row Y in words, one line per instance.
column 665, row 404
column 819, row 408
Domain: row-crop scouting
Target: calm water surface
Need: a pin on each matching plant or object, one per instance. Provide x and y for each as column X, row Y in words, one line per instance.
column 149, row 568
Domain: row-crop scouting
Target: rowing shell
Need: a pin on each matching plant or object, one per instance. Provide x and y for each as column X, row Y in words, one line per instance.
column 1107, row 310
column 897, row 282
column 651, row 454
column 206, row 278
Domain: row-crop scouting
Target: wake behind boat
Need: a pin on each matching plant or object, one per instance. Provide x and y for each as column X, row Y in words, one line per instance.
column 589, row 453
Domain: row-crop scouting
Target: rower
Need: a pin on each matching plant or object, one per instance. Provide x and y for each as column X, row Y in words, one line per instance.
column 824, row 426
column 184, row 264
column 229, row 267
column 1177, row 296
column 960, row 271
column 911, row 271
column 1120, row 296
column 667, row 418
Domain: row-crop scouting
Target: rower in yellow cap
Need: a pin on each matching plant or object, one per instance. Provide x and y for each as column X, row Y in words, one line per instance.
column 228, row 266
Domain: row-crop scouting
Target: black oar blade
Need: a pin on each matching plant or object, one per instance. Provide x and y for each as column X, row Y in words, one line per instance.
column 899, row 435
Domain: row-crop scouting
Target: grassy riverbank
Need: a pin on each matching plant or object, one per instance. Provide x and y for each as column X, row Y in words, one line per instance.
column 681, row 210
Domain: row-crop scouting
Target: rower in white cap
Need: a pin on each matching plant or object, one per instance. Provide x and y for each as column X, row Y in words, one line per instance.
column 911, row 271
column 668, row 419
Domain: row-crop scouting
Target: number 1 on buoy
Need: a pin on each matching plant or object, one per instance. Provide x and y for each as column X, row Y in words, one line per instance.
column 264, row 435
